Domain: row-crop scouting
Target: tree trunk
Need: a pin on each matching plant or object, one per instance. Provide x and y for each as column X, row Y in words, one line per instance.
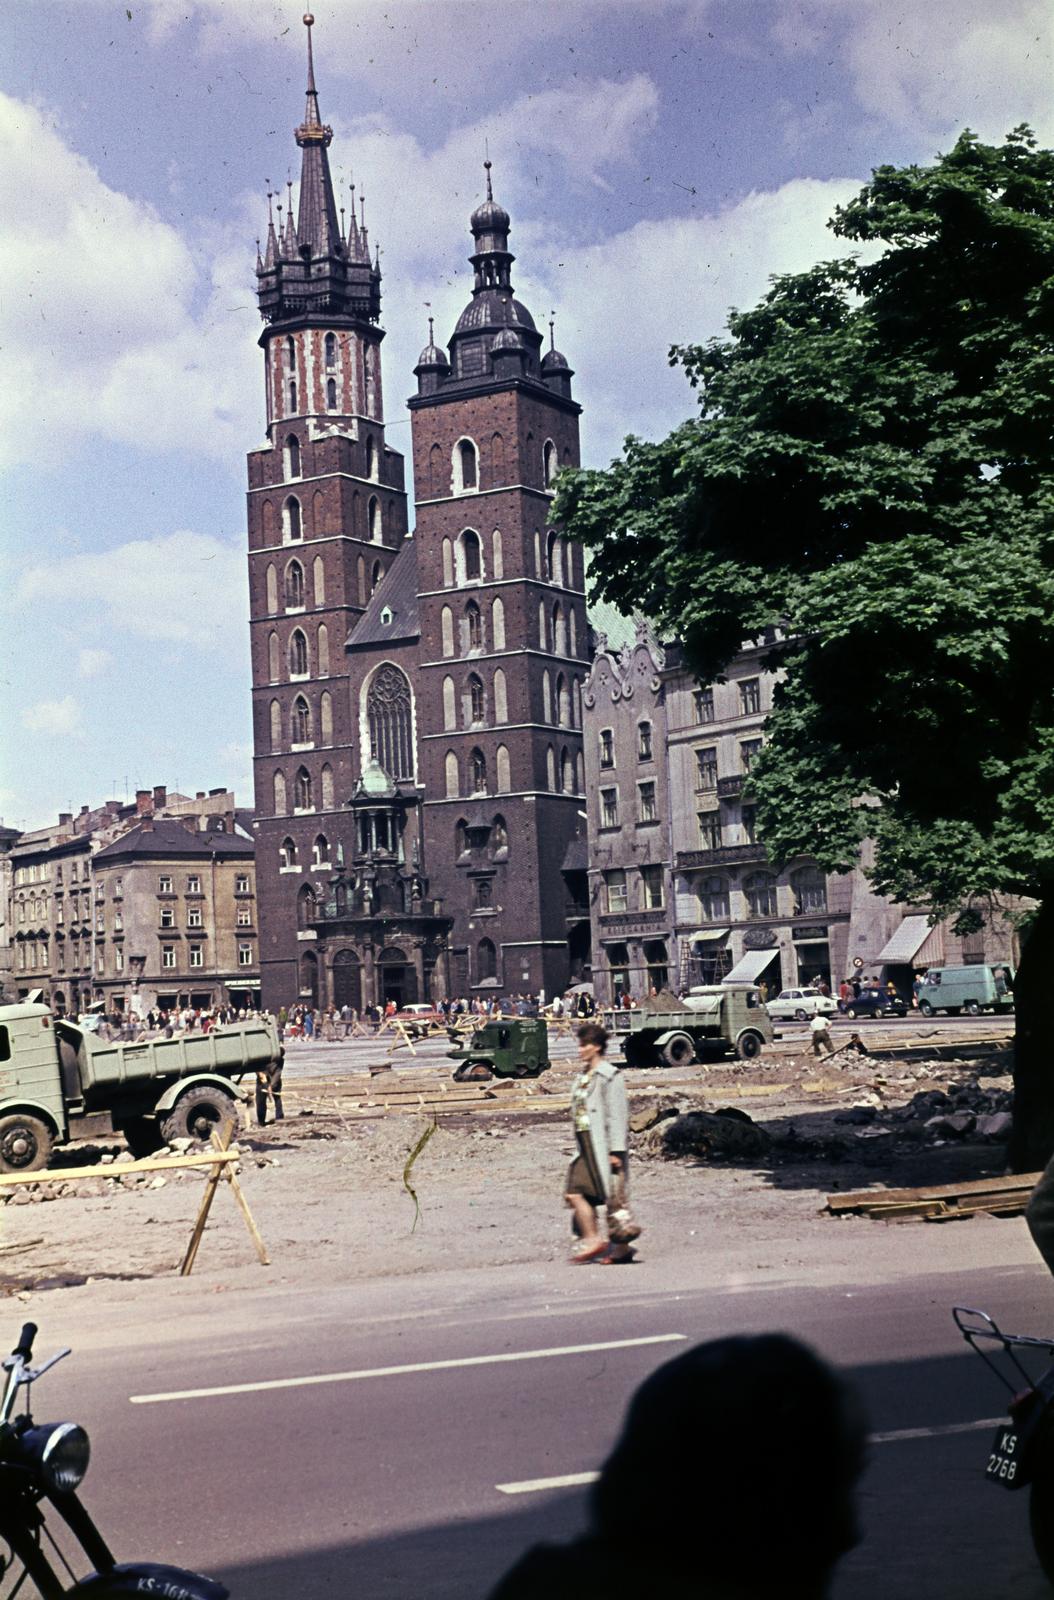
column 1032, row 1142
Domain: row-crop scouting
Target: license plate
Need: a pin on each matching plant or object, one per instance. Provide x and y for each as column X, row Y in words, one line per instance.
column 1005, row 1466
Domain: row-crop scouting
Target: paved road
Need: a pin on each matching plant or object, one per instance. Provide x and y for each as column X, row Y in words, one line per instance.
column 386, row 1484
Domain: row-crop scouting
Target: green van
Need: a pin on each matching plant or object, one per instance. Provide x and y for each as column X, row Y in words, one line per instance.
column 969, row 989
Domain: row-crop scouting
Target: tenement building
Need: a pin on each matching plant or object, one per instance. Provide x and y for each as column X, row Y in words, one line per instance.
column 682, row 888
column 417, row 699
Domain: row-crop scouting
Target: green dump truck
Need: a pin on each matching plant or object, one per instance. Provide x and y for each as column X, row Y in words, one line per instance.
column 517, row 1047
column 58, row 1080
column 722, row 1019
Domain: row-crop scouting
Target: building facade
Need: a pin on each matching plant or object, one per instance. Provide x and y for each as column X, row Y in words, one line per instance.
column 417, row 700
column 682, row 889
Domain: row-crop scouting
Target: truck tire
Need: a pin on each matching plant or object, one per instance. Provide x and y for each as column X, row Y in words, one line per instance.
column 199, row 1111
column 678, row 1050
column 748, row 1045
column 25, row 1143
column 925, row 1008
column 143, row 1136
column 972, row 1008
column 636, row 1052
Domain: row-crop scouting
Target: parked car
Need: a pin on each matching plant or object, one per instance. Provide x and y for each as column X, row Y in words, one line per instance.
column 874, row 1003
column 969, row 989
column 801, row 1004
column 419, row 1020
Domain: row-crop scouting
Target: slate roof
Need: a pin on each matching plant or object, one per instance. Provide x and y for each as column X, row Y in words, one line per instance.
column 397, row 593
column 576, row 857
column 168, row 837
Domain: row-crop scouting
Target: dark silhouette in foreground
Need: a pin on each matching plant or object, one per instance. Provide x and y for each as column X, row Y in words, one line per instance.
column 734, row 1479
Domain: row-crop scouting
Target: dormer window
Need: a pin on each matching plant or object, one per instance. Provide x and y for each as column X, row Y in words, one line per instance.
column 386, row 617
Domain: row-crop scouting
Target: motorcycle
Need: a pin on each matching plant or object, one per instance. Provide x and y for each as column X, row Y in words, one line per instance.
column 1022, row 1453
column 42, row 1467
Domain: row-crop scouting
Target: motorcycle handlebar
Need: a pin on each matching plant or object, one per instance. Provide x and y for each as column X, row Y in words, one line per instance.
column 24, row 1347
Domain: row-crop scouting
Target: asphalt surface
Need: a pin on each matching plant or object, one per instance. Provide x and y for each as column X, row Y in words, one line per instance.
column 386, row 1485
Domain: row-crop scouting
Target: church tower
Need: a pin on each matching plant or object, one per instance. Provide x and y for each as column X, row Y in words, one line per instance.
column 503, row 634
column 327, row 516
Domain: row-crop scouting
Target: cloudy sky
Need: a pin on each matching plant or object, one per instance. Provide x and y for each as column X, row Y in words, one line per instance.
column 660, row 159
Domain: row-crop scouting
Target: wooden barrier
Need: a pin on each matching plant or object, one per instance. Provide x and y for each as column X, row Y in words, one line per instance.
column 221, row 1169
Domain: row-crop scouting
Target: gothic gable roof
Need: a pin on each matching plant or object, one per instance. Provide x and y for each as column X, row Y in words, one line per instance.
column 392, row 613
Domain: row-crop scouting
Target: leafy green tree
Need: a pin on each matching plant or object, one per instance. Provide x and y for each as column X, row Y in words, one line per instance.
column 871, row 472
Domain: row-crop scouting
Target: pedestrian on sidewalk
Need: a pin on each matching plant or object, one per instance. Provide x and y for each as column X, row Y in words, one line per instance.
column 820, row 1030
column 600, row 1117
column 269, row 1082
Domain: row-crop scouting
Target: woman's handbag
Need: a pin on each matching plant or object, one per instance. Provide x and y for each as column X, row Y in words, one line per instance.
column 623, row 1227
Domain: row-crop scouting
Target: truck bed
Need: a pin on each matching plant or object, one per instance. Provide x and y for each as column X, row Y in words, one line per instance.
column 231, row 1051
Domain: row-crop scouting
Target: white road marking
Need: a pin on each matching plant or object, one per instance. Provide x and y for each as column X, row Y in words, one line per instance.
column 397, row 1372
column 574, row 1480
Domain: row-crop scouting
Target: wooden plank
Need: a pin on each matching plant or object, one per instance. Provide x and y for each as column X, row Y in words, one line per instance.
column 865, row 1198
column 12, row 1180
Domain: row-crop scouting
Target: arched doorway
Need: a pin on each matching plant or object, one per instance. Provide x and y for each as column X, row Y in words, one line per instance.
column 347, row 980
column 309, row 978
column 396, row 978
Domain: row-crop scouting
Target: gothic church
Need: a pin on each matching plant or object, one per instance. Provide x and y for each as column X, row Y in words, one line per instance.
column 416, row 697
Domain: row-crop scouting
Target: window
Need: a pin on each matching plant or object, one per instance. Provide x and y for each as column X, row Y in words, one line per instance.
column 272, row 655
column 465, row 466
column 703, row 700
column 245, row 955
column 292, row 525
column 59, row 913
column 749, row 750
column 476, row 708
column 810, row 890
column 197, row 955
column 651, row 892
column 244, row 918
column 446, row 623
column 318, row 578
column 118, row 920
column 499, row 839
column 473, row 627
column 331, row 349
column 280, row 800
column 609, row 808
column 750, row 696
column 389, row 717
column 549, row 463
column 301, row 721
column 294, row 586
column 760, row 890
column 298, row 664
column 497, row 624
column 567, row 772
column 503, row 769
column 166, row 917
column 164, row 884
column 331, row 394
column 550, row 769
column 449, row 705
column 501, row 697
column 471, row 554
column 706, row 768
column 118, row 958
column 615, row 890
column 287, row 856
column 710, row 830
column 484, row 892
column 478, row 771
column 607, row 747
column 194, row 917
column 168, row 956
column 453, row 781
column 241, row 884
column 193, row 884
column 644, row 741
column 646, row 810
column 292, row 456
column 302, row 790
column 497, row 554
column 486, row 961
column 374, row 519
column 292, row 394
column 748, row 821
column 713, row 900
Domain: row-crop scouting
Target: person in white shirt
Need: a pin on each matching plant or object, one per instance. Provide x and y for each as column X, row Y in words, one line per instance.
column 820, row 1030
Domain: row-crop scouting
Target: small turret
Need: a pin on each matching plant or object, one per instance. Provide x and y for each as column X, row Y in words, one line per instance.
column 432, row 367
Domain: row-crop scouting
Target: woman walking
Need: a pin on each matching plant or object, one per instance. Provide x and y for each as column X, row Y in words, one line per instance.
column 600, row 1116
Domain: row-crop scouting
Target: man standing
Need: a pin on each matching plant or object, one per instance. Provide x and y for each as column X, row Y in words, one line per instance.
column 820, row 1030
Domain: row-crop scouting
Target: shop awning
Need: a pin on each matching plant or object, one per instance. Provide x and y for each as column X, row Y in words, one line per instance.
column 748, row 968
column 709, row 935
column 906, row 943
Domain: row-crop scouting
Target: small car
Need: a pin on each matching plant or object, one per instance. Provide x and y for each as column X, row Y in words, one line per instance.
column 418, row 1020
column 874, row 1003
column 800, row 1004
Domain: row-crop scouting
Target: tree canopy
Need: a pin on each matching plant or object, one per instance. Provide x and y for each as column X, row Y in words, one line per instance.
column 871, row 471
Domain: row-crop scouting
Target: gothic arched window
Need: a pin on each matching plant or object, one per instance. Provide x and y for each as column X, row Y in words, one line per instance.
column 331, row 349
column 453, row 781
column 292, row 395
column 276, row 725
column 305, row 907
column 476, row 702
column 298, row 654
column 331, row 394
column 318, row 580
column 301, row 721
column 327, row 787
column 499, row 839
column 294, row 585
column 279, row 795
column 374, row 519
column 486, row 961
column 501, row 697
column 272, row 589
column 389, row 718
column 320, row 851
column 448, row 563
column 567, row 772
column 497, row 623
column 371, row 457
column 326, row 718
column 449, row 705
column 497, row 555
column 292, row 523
column 503, row 771
column 302, row 797
column 375, row 576
column 287, row 853
column 272, row 658
column 473, row 627
column 563, row 702
column 292, row 456
column 471, row 554
column 465, row 466
column 549, row 463
column 323, row 650
column 446, row 626
column 477, row 764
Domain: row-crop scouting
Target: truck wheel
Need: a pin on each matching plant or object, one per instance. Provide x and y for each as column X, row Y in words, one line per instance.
column 748, row 1045
column 679, row 1050
column 925, row 1008
column 198, row 1112
column 972, row 1009
column 142, row 1136
column 25, row 1143
column 636, row 1053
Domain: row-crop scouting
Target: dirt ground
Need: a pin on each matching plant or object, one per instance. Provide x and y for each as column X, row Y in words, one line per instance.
column 329, row 1190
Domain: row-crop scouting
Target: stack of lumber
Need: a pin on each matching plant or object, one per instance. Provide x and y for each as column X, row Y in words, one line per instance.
column 999, row 1197
column 428, row 1094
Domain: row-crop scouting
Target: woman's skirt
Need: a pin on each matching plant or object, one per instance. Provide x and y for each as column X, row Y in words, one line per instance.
column 583, row 1175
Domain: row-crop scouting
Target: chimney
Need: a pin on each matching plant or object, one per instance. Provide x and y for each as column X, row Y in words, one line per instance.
column 65, row 818
column 160, row 796
column 220, row 790
column 84, row 811
column 200, row 795
column 144, row 805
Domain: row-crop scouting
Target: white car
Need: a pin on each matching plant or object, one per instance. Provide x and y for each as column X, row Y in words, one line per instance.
column 800, row 1004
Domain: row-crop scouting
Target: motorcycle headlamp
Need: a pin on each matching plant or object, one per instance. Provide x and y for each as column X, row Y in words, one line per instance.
column 60, row 1451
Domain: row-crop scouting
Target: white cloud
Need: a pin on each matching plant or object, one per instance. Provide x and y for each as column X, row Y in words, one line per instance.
column 53, row 717
column 141, row 362
column 91, row 662
column 181, row 587
column 936, row 68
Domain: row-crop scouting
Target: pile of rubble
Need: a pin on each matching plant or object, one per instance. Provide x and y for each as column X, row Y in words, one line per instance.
column 111, row 1162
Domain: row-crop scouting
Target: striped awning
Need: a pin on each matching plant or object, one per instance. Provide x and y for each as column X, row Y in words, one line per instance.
column 906, row 943
column 709, row 935
column 750, row 966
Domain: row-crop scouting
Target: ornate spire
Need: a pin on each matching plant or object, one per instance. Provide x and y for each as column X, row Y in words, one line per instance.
column 490, row 229
column 271, row 256
column 317, row 230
